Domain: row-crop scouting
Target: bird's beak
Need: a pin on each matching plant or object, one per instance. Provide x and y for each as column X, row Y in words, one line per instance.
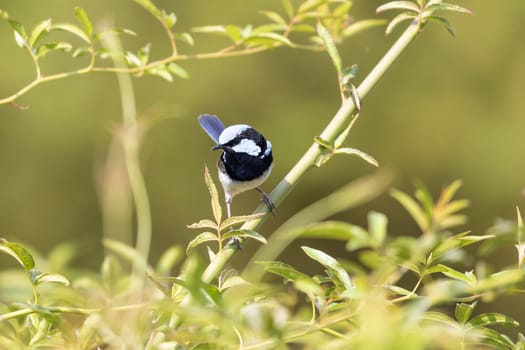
column 225, row 148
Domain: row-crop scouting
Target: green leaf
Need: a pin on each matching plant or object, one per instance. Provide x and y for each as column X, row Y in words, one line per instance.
column 151, row 8
column 143, row 55
column 282, row 269
column 267, row 38
column 348, row 74
column 443, row 6
column 210, row 29
column 467, row 277
column 496, row 339
column 457, row 241
column 337, row 230
column 39, row 32
column 200, row 239
column 405, row 16
column 84, row 20
column 331, row 264
column 377, row 223
column 132, row 60
column 274, row 16
column 19, row 252
column 178, row 70
column 398, row 5
column 441, row 318
column 323, row 143
column 20, row 33
column 81, row 51
column 288, row 7
column 185, row 37
column 203, row 224
column 329, row 43
column 48, row 277
column 412, row 207
column 162, row 72
column 168, row 259
column 500, row 279
column 169, row 19
column 73, row 29
column 124, row 251
column 309, row 5
column 214, row 195
column 443, row 21
column 244, row 233
column 234, row 32
column 359, row 26
column 234, row 220
column 464, row 311
column 309, row 287
column 233, row 281
column 355, row 152
column 44, row 49
column 492, row 319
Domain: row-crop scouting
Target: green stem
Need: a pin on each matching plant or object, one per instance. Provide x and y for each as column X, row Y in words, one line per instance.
column 340, row 120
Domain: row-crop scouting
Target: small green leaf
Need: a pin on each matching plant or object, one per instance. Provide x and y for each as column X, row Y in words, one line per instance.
column 267, row 38
column 81, row 51
column 20, row 33
column 464, row 311
column 441, row 318
column 210, row 29
column 355, row 152
column 283, row 270
column 143, row 55
column 398, row 5
column 44, row 49
column 331, row 264
column 200, row 239
column 73, row 29
column 39, row 32
column 233, row 281
column 348, row 74
column 162, row 72
column 359, row 26
column 336, row 230
column 234, row 220
column 443, row 6
column 151, row 8
column 492, row 319
column 377, row 223
column 186, row 38
column 168, row 259
column 214, row 195
column 124, row 251
column 405, row 16
column 500, row 279
column 330, row 47
column 467, row 277
column 169, row 19
column 274, row 16
column 309, row 287
column 203, row 224
column 443, row 21
column 244, row 234
column 412, row 207
column 84, row 19
column 458, row 241
column 48, row 277
column 132, row 60
column 19, row 252
column 309, row 5
column 178, row 70
column 288, row 7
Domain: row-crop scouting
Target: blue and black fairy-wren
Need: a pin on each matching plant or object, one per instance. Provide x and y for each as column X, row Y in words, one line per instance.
column 246, row 161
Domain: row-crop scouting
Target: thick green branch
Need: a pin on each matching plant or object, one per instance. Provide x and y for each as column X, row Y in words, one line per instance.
column 340, row 120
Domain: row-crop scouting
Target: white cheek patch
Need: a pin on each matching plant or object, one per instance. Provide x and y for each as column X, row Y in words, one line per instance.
column 247, row 146
column 231, row 132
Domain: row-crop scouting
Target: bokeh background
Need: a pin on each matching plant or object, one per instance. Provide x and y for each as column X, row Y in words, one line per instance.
column 450, row 108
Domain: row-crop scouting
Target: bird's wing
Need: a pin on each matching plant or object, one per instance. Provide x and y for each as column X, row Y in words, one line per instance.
column 212, row 125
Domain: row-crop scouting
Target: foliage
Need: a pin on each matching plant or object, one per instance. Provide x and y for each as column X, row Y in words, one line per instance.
column 388, row 291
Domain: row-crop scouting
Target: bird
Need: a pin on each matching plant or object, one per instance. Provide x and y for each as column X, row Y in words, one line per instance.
column 246, row 160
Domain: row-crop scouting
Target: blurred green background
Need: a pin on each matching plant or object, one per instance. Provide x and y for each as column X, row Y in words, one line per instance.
column 450, row 108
